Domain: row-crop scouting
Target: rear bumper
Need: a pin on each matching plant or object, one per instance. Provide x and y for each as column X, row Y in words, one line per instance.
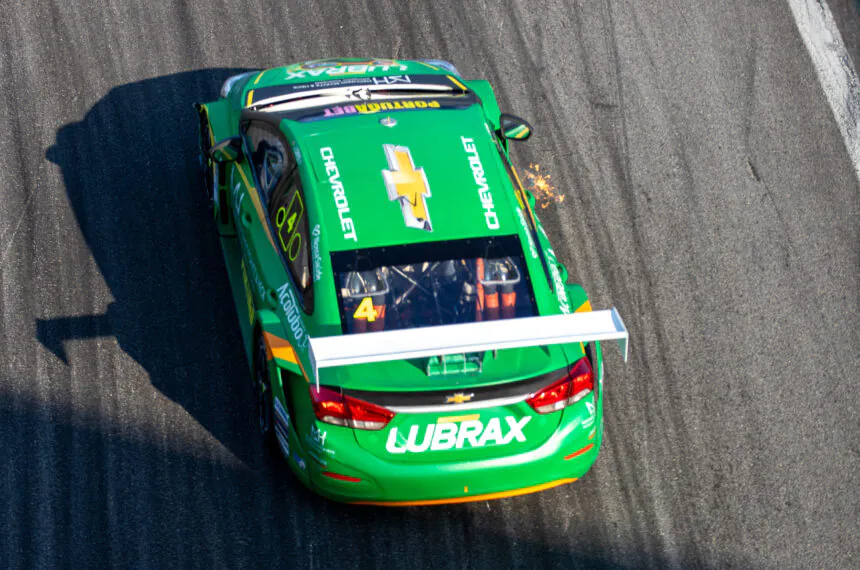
column 396, row 484
column 468, row 498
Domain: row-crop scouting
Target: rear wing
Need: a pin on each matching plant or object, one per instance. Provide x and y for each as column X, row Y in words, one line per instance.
column 332, row 351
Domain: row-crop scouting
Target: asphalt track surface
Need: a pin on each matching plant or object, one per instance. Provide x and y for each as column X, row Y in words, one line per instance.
column 708, row 195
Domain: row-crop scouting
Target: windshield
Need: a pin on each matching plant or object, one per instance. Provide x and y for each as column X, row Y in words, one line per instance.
column 440, row 283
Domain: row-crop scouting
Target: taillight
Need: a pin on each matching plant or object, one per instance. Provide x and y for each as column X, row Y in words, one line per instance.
column 578, row 383
column 332, row 407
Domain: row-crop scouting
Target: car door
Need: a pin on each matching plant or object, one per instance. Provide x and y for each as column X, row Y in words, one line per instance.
column 280, row 192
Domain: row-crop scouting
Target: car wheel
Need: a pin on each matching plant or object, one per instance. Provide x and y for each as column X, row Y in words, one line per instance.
column 263, row 391
column 204, row 162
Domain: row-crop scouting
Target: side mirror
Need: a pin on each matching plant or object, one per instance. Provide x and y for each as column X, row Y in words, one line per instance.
column 515, row 128
column 227, row 150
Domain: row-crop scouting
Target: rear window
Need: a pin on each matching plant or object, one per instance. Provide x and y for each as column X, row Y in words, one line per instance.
column 436, row 283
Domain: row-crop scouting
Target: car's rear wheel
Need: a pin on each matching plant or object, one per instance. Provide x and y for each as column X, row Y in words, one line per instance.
column 263, row 392
column 205, row 164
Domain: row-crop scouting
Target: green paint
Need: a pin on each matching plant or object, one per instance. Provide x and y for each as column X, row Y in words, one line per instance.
column 340, row 162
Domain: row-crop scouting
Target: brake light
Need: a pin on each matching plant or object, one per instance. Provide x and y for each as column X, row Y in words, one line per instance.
column 576, row 385
column 341, row 477
column 332, row 407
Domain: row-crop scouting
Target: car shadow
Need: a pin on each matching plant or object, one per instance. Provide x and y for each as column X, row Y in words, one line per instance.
column 81, row 492
column 129, row 168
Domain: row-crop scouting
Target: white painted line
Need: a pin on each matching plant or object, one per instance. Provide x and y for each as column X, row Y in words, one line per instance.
column 834, row 68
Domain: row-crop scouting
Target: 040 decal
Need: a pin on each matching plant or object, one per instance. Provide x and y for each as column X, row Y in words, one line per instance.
column 291, row 216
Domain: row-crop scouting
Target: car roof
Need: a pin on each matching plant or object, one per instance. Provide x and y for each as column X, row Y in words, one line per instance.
column 424, row 174
column 392, row 151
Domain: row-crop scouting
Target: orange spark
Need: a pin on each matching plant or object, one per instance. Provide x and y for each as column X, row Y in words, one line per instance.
column 539, row 185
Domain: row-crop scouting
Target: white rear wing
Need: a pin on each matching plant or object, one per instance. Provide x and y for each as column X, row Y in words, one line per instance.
column 332, row 351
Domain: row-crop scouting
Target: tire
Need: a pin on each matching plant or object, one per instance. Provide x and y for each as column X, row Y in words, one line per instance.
column 204, row 163
column 263, row 394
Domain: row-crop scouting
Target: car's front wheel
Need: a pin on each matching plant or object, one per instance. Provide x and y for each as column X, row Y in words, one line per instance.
column 263, row 390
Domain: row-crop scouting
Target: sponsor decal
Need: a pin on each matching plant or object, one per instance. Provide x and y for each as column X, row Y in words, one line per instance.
column 283, row 442
column 249, row 298
column 408, row 186
column 282, row 430
column 281, row 414
column 386, row 107
column 318, row 435
column 558, row 284
column 255, row 273
column 346, row 69
column 339, row 194
column 316, row 439
column 480, row 179
column 335, row 62
column 290, row 306
column 391, row 79
column 382, row 107
column 326, row 80
column 256, row 281
column 590, row 421
column 459, row 398
column 449, row 435
column 291, row 217
column 316, row 457
column 299, row 461
column 315, row 252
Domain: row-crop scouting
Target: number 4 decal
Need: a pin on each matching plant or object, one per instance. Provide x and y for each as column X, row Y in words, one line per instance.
column 365, row 310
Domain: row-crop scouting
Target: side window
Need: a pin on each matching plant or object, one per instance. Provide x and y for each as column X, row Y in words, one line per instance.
column 289, row 218
column 270, row 158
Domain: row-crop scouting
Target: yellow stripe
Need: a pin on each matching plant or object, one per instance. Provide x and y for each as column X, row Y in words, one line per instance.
column 457, row 83
column 485, row 497
column 428, row 65
column 277, row 347
column 257, row 80
column 211, row 134
column 584, row 308
column 257, row 206
column 250, row 98
column 525, row 199
column 455, row 419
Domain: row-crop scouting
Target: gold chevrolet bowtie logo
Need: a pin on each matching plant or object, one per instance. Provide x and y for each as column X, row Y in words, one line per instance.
column 458, row 398
column 408, row 185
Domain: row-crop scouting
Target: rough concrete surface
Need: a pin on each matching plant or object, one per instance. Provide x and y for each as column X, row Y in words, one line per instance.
column 708, row 195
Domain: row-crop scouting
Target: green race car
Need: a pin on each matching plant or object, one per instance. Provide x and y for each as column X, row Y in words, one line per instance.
column 411, row 335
